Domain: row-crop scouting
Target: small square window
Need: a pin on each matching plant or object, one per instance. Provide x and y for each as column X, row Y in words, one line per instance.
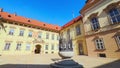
column 102, row 55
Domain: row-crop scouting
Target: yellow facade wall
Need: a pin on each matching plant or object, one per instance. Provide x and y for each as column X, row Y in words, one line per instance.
column 24, row 40
column 76, row 39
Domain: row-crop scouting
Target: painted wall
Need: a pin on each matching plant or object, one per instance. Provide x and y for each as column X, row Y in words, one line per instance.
column 14, row 39
column 76, row 39
column 106, row 31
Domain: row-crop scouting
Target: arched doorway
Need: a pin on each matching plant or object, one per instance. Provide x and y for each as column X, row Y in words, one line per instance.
column 37, row 49
column 81, row 51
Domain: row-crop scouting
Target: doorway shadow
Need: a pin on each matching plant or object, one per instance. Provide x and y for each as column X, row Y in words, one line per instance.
column 24, row 66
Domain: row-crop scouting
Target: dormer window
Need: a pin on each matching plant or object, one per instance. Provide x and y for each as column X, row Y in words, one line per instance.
column 28, row 20
column 56, row 27
column 9, row 15
column 44, row 24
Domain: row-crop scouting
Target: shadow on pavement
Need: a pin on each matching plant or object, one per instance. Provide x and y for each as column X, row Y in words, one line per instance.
column 23, row 66
column 115, row 64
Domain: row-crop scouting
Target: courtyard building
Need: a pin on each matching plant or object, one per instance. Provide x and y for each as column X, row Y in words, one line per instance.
column 101, row 19
column 74, row 31
column 20, row 35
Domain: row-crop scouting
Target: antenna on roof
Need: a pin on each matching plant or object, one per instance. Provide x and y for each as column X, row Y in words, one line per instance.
column 73, row 15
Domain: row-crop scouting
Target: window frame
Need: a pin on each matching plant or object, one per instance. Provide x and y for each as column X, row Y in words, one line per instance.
column 53, row 35
column 28, row 47
column 30, row 34
column 95, row 24
column 118, row 41
column 18, row 46
column 52, row 47
column 47, row 35
column 46, row 47
column 7, row 46
column 11, row 31
column 21, row 33
column 78, row 29
column 101, row 47
column 114, row 15
column 40, row 35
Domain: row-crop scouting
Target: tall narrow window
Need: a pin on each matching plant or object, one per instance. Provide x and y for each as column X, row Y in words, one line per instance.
column 40, row 35
column 46, row 47
column 118, row 40
column 52, row 47
column 57, row 37
column 7, row 46
column 95, row 23
column 47, row 35
column 52, row 36
column 30, row 34
column 68, row 34
column 18, row 47
column 27, row 47
column 99, row 44
column 11, row 32
column 21, row 33
column 114, row 15
column 78, row 32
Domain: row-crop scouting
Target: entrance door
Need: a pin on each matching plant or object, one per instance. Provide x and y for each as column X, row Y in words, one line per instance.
column 37, row 49
column 81, row 51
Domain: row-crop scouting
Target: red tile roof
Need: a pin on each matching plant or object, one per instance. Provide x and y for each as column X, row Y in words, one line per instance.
column 72, row 22
column 89, row 4
column 23, row 20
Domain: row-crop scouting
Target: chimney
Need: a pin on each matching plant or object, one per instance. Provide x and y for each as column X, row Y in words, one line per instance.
column 15, row 14
column 1, row 9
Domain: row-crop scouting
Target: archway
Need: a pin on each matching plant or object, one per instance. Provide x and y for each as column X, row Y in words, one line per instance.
column 80, row 47
column 37, row 49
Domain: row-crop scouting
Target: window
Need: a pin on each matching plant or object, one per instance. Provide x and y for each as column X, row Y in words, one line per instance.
column 99, row 44
column 21, row 33
column 30, row 34
column 11, row 32
column 102, row 55
column 78, row 32
column 118, row 41
column 40, row 35
column 28, row 47
column 7, row 46
column 95, row 23
column 46, row 47
column 18, row 47
column 52, row 47
column 57, row 37
column 47, row 35
column 114, row 16
column 52, row 36
column 68, row 34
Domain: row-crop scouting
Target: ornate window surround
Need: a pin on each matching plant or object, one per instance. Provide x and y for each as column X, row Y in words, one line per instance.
column 93, row 15
column 110, row 7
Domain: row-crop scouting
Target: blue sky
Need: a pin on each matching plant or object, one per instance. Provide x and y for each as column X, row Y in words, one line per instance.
column 56, row 12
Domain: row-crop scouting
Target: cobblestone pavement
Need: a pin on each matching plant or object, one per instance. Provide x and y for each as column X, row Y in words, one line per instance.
column 44, row 60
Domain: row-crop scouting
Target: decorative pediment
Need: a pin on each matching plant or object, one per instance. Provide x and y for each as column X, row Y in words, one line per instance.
column 93, row 15
column 38, row 41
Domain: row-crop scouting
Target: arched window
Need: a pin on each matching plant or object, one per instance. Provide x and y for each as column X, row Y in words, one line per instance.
column 114, row 15
column 95, row 23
